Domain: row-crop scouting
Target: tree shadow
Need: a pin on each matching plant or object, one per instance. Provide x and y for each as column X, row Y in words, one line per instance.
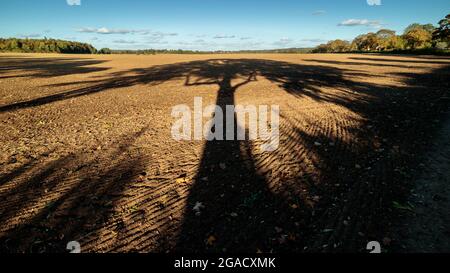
column 364, row 63
column 347, row 198
column 240, row 212
column 66, row 198
column 421, row 60
column 300, row 80
column 45, row 68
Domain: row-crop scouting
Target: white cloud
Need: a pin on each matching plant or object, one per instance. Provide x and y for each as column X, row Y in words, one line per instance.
column 374, row 2
column 104, row 30
column 314, row 40
column 286, row 40
column 319, row 12
column 107, row 31
column 283, row 41
column 155, row 40
column 197, row 42
column 220, row 36
column 124, row 41
column 31, row 35
column 74, row 2
column 360, row 22
column 163, row 34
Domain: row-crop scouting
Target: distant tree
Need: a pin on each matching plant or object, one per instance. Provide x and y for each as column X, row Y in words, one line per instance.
column 323, row 48
column 14, row 45
column 336, row 46
column 105, row 51
column 45, row 45
column 397, row 43
column 442, row 34
column 42, row 47
column 387, row 39
column 26, row 47
column 339, row 46
column 366, row 42
column 427, row 27
column 417, row 38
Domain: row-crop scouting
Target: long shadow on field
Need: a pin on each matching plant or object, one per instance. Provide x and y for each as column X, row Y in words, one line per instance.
column 419, row 60
column 46, row 67
column 343, row 200
column 67, row 198
column 300, row 80
column 395, row 65
column 317, row 192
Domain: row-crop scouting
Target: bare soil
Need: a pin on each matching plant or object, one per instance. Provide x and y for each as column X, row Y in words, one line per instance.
column 87, row 155
column 425, row 226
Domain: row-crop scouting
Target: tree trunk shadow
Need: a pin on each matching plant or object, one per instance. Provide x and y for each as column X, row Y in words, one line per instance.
column 230, row 207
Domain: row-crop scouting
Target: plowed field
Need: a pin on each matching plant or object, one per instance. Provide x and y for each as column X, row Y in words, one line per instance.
column 86, row 152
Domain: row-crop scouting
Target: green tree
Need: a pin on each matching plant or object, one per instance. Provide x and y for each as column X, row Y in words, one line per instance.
column 418, row 38
column 45, row 45
column 366, row 42
column 339, row 46
column 336, row 46
column 442, row 33
column 323, row 48
column 11, row 44
column 427, row 27
column 2, row 44
column 105, row 51
column 387, row 40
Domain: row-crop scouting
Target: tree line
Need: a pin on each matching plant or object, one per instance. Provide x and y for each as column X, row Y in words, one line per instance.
column 45, row 46
column 182, row 51
column 415, row 38
column 62, row 46
column 156, row 51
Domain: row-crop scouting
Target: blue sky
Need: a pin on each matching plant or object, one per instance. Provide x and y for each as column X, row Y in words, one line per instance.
column 210, row 24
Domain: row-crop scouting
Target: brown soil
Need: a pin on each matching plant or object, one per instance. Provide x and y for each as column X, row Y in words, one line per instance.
column 86, row 151
column 425, row 226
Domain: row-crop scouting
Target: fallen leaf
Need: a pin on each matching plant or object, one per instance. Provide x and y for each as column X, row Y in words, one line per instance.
column 397, row 205
column 387, row 241
column 180, row 180
column 292, row 237
column 328, row 230
column 211, row 240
